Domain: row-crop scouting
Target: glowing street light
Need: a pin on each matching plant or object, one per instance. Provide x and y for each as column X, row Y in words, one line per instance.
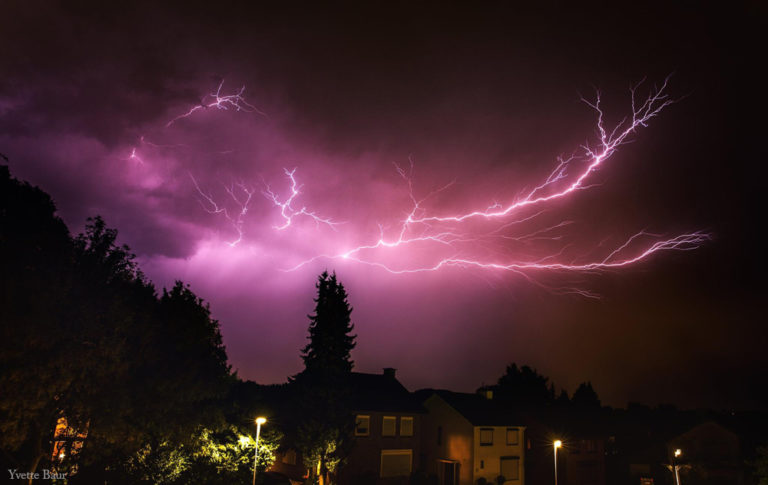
column 557, row 444
column 677, row 454
column 259, row 421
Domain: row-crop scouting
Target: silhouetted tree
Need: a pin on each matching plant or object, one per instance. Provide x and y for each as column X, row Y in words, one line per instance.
column 524, row 387
column 585, row 397
column 761, row 465
column 325, row 424
column 35, row 277
column 330, row 342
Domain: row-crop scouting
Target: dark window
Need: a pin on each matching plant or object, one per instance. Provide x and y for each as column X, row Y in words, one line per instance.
column 486, row 436
column 439, row 435
column 513, row 436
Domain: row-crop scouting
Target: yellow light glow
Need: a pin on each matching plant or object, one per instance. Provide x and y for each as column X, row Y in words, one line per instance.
column 558, row 444
column 261, row 420
column 61, row 455
column 678, row 452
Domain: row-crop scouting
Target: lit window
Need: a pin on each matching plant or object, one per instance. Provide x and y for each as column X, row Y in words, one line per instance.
column 362, row 425
column 389, row 426
column 396, row 463
column 406, row 426
column 486, row 436
column 510, row 467
column 513, row 436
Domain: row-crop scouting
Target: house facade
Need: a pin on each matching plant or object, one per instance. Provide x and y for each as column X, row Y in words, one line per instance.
column 387, row 436
column 469, row 439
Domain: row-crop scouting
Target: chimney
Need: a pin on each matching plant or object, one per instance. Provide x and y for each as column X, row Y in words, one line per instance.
column 389, row 372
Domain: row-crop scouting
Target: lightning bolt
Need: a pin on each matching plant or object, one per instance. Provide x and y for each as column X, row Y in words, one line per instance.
column 234, row 101
column 240, row 194
column 454, row 234
column 287, row 211
column 608, row 143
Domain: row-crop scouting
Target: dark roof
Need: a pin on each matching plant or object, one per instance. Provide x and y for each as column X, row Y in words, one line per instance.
column 380, row 392
column 475, row 408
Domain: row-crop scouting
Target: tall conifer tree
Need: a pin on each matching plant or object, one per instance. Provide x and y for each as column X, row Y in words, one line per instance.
column 330, row 341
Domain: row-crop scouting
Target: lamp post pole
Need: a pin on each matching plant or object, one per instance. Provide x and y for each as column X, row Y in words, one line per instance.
column 675, row 456
column 557, row 444
column 259, row 422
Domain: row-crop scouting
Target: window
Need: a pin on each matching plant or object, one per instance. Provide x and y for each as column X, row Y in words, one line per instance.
column 389, row 426
column 486, row 436
column 513, row 436
column 406, row 426
column 439, row 435
column 362, row 425
column 510, row 467
column 396, row 463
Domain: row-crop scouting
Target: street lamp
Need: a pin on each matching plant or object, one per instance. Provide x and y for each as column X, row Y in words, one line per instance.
column 678, row 452
column 557, row 444
column 259, row 421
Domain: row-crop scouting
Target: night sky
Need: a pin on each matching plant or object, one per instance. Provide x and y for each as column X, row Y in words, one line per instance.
column 484, row 97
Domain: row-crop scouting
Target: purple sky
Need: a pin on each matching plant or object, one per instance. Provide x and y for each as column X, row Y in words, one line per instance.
column 485, row 99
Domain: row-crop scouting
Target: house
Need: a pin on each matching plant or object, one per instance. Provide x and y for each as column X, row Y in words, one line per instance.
column 387, row 436
column 469, row 439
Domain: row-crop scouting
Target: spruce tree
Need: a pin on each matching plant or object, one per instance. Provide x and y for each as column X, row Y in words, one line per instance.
column 325, row 419
column 330, row 341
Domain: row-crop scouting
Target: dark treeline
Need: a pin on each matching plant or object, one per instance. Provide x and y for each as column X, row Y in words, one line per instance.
column 86, row 338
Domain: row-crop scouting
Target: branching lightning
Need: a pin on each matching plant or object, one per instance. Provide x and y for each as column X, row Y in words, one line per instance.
column 240, row 194
column 234, row 101
column 456, row 234
column 287, row 211
column 514, row 236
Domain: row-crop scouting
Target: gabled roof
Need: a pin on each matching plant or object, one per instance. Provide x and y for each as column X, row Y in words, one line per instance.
column 475, row 408
column 382, row 392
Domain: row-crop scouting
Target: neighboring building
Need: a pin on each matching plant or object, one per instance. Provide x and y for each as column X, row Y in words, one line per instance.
column 468, row 439
column 387, row 435
column 584, row 461
column 710, row 453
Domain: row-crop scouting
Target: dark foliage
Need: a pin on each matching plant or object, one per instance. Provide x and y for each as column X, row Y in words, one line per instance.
column 86, row 338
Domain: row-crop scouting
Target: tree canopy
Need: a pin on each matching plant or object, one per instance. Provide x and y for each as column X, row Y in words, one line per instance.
column 86, row 337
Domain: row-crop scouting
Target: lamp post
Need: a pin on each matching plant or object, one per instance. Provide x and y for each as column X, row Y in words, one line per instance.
column 557, row 444
column 259, row 421
column 678, row 452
